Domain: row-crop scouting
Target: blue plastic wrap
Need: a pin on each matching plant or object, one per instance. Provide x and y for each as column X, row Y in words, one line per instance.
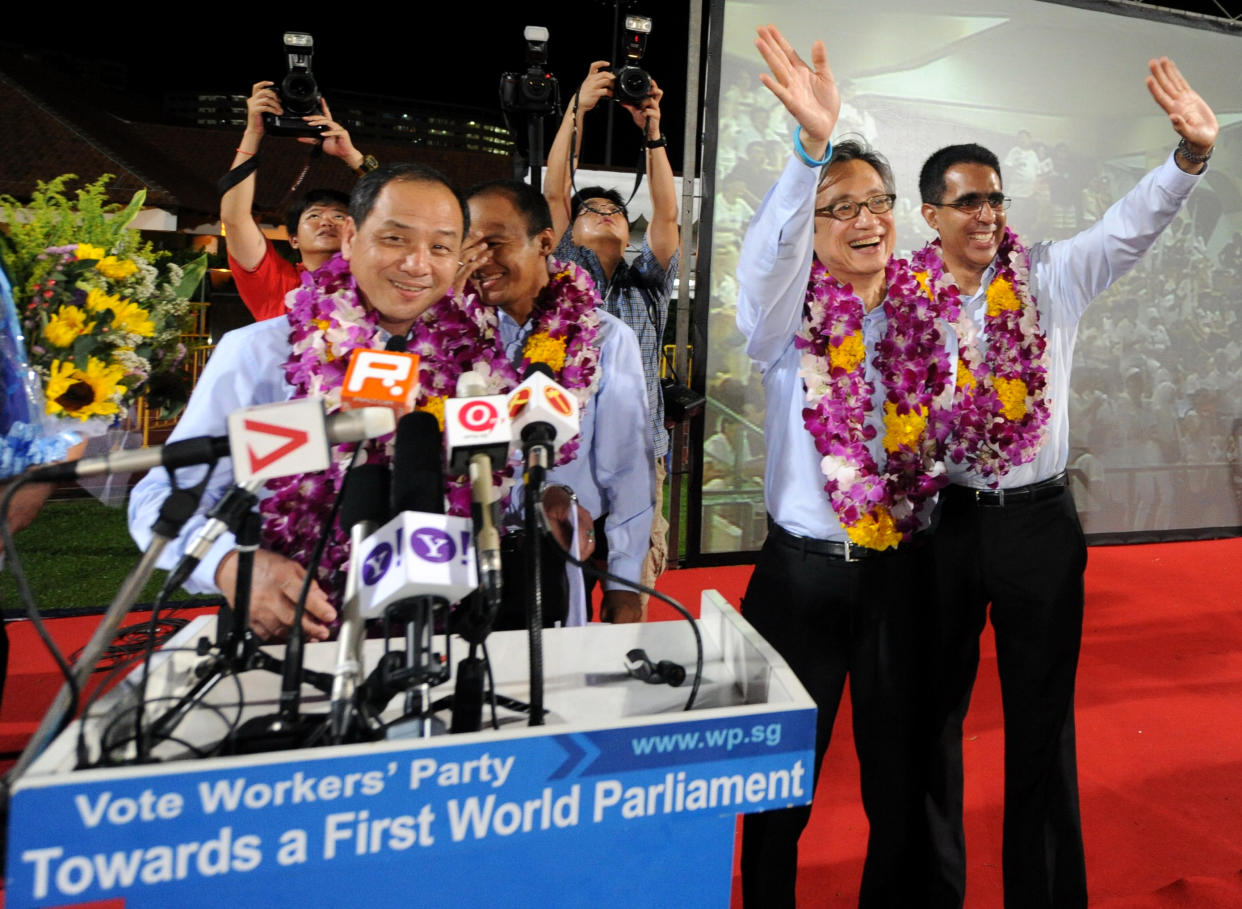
column 29, row 437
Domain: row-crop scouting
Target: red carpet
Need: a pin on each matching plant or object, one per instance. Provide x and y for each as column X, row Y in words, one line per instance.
column 1159, row 735
column 1159, row 741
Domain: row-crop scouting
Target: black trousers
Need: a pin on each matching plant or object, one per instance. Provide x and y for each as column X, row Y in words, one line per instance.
column 1027, row 560
column 829, row 618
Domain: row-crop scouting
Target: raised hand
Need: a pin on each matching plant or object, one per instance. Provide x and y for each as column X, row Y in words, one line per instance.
column 1190, row 115
column 335, row 138
column 647, row 115
column 808, row 92
column 597, row 85
column 262, row 100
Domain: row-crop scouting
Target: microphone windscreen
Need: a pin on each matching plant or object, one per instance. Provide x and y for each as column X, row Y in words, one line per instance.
column 417, row 465
column 365, row 496
column 396, row 344
column 542, row 368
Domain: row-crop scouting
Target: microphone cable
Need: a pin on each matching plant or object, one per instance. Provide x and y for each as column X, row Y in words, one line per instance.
column 604, row 575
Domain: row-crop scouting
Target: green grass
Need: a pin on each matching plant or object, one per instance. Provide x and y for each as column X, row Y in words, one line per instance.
column 76, row 553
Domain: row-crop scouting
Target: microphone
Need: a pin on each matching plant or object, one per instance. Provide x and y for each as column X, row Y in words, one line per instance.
column 381, row 378
column 542, row 411
column 438, row 553
column 364, row 506
column 479, row 435
column 198, row 450
column 421, row 551
column 302, row 425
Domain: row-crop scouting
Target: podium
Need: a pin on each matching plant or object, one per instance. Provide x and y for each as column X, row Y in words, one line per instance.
column 621, row 799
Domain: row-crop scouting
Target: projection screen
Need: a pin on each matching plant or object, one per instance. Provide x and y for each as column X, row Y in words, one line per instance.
column 1057, row 92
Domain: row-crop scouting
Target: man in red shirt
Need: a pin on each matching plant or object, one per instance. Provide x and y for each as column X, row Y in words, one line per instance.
column 263, row 277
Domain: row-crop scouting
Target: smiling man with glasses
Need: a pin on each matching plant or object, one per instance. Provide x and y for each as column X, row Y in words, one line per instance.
column 857, row 376
column 1009, row 534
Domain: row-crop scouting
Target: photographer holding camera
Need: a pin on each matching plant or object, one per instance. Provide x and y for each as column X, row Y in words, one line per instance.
column 314, row 221
column 594, row 228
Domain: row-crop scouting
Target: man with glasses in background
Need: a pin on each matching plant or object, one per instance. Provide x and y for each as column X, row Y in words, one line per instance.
column 1009, row 533
column 594, row 230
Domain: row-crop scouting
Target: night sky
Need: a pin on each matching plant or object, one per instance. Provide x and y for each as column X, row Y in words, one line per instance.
column 427, row 54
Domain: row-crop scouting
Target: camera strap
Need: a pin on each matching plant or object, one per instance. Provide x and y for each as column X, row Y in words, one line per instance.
column 640, row 168
column 237, row 174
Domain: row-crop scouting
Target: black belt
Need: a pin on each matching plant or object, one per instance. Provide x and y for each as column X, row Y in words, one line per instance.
column 1019, row 495
column 832, row 549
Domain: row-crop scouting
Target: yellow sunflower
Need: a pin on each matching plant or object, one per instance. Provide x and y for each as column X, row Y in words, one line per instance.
column 131, row 317
column 84, row 393
column 87, row 251
column 98, row 301
column 116, row 269
column 66, row 326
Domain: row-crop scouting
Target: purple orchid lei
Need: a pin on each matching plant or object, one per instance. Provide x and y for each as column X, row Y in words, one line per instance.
column 328, row 322
column 914, row 369
column 1001, row 410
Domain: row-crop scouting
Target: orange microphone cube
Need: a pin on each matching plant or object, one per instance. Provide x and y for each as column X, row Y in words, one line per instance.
column 381, row 378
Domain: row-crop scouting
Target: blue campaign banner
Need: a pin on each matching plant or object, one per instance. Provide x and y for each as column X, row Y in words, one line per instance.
column 614, row 816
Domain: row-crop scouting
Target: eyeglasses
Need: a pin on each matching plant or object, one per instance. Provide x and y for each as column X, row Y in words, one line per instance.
column 973, row 204
column 847, row 209
column 603, row 209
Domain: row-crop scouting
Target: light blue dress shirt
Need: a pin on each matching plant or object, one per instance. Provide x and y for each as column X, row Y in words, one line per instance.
column 613, row 472
column 1066, row 275
column 773, row 270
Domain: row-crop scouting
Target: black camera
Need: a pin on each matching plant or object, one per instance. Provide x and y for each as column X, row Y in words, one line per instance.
column 535, row 91
column 633, row 85
column 298, row 91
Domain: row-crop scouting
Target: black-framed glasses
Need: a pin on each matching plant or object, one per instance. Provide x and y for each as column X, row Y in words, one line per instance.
column 973, row 204
column 603, row 209
column 848, row 209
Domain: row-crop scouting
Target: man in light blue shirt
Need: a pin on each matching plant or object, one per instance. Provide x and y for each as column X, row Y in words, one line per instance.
column 1009, row 533
column 837, row 588
column 612, row 473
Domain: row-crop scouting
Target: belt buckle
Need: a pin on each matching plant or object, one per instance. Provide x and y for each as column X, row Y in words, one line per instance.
column 984, row 500
column 849, row 557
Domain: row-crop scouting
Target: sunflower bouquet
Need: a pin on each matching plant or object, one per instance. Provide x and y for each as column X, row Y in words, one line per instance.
column 102, row 321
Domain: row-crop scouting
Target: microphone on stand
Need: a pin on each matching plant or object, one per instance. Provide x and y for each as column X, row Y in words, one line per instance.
column 364, row 507
column 197, row 450
column 276, row 440
column 479, row 435
column 544, row 416
column 418, row 503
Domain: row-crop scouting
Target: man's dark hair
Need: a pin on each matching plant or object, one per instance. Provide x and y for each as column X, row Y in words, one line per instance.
column 859, row 150
column 368, row 188
column 315, row 197
column 595, row 192
column 931, row 177
column 529, row 202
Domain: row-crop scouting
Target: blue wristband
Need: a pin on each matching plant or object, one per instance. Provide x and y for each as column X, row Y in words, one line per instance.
column 801, row 152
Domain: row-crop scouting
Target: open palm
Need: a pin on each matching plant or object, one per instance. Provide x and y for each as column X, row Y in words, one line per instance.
column 809, row 93
column 1190, row 115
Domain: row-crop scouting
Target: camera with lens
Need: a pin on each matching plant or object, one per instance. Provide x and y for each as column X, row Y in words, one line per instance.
column 298, row 91
column 536, row 90
column 633, row 85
